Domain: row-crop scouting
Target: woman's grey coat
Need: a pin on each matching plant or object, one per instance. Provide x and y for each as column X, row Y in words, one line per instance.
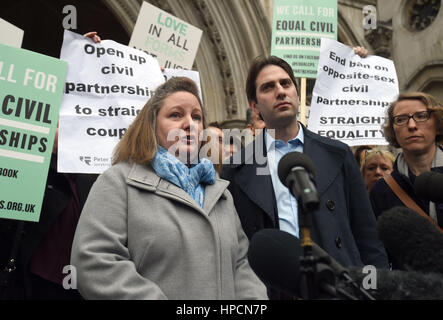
column 142, row 237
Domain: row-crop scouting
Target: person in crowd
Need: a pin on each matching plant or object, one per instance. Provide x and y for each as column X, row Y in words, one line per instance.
column 360, row 153
column 232, row 145
column 34, row 255
column 159, row 224
column 254, row 122
column 376, row 164
column 254, row 125
column 414, row 124
column 344, row 225
column 215, row 145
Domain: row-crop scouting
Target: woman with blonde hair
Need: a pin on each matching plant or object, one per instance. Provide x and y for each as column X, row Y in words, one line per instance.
column 414, row 124
column 376, row 164
column 158, row 224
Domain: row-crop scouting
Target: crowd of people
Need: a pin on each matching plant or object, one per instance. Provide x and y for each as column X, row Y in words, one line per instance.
column 161, row 225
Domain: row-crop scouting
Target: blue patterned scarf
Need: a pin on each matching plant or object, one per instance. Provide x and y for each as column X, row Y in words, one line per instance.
column 192, row 180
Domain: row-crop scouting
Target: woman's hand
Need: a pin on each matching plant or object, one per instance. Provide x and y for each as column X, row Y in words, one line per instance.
column 94, row 36
column 361, row 51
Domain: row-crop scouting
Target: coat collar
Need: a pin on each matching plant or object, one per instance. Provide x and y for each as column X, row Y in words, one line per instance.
column 144, row 177
column 328, row 157
column 253, row 176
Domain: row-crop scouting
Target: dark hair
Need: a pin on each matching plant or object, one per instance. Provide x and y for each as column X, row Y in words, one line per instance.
column 257, row 65
column 431, row 104
column 357, row 153
column 235, row 141
column 214, row 124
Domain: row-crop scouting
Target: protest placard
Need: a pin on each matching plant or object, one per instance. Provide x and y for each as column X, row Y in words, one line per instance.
column 31, row 87
column 297, row 27
column 191, row 74
column 171, row 40
column 351, row 95
column 106, row 87
column 10, row 35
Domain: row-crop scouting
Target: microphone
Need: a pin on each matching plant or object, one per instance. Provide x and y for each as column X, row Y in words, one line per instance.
column 429, row 185
column 341, row 272
column 400, row 285
column 275, row 255
column 411, row 240
column 296, row 172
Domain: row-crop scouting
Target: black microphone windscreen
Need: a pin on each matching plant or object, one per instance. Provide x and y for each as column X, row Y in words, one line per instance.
column 411, row 240
column 398, row 284
column 291, row 160
column 274, row 255
column 429, row 186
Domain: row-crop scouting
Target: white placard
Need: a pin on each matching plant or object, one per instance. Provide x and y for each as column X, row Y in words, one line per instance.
column 191, row 74
column 171, row 40
column 106, row 86
column 10, row 35
column 351, row 95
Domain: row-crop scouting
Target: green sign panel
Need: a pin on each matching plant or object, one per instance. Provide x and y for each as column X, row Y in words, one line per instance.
column 298, row 26
column 31, row 88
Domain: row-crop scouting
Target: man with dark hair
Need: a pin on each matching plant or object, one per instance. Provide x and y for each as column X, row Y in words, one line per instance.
column 344, row 225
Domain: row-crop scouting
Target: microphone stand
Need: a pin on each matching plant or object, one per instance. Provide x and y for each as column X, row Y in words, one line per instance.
column 307, row 261
column 317, row 274
column 308, row 202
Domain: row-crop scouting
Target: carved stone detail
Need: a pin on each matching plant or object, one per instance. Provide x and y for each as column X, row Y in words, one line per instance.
column 210, row 29
column 421, row 13
column 380, row 39
column 126, row 11
column 164, row 5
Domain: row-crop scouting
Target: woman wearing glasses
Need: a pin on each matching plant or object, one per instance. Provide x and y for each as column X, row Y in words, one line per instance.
column 414, row 124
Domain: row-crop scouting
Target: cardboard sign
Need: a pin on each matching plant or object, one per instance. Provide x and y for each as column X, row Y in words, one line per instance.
column 172, row 41
column 31, row 88
column 10, row 35
column 106, row 86
column 297, row 28
column 191, row 74
column 351, row 95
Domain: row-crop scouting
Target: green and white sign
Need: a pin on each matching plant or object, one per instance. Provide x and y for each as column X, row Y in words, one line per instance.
column 10, row 35
column 171, row 40
column 31, row 88
column 297, row 29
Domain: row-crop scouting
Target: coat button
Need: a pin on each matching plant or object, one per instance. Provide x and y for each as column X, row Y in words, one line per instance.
column 338, row 242
column 330, row 204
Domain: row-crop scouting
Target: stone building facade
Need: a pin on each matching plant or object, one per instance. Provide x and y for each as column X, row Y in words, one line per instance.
column 235, row 31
